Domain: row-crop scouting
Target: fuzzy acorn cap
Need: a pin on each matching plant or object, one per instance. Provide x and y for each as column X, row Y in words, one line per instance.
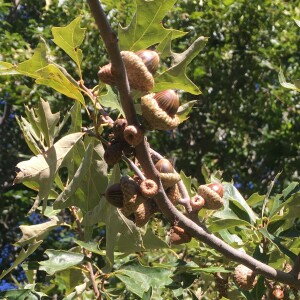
column 197, row 203
column 133, row 135
column 169, row 179
column 148, row 188
column 173, row 194
column 244, row 277
column 138, row 75
column 143, row 213
column 179, row 236
column 131, row 198
column 155, row 116
column 212, row 199
column 106, row 76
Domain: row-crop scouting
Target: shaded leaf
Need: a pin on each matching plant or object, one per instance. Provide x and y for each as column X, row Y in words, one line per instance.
column 60, row 260
column 185, row 109
column 146, row 28
column 110, row 99
column 22, row 256
column 37, row 232
column 218, row 225
column 90, row 246
column 255, row 199
column 187, row 181
column 53, row 77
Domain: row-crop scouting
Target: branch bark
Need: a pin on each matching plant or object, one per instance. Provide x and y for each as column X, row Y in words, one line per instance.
column 143, row 156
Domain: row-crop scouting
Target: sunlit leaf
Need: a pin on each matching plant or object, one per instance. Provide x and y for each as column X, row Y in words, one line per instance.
column 37, row 61
column 146, row 28
column 175, row 77
column 218, row 225
column 53, row 77
column 285, row 84
column 90, row 246
column 38, row 232
column 69, row 38
column 60, row 260
column 42, row 168
column 185, row 109
column 111, row 100
column 8, row 69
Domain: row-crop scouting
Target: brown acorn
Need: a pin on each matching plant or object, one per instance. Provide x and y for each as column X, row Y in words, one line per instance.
column 118, row 128
column 179, row 236
column 197, row 202
column 114, row 195
column 133, row 135
column 168, row 101
column 244, row 277
column 173, row 194
column 167, row 174
column 217, row 187
column 155, row 116
column 113, row 153
column 212, row 199
column 150, row 58
column 148, row 188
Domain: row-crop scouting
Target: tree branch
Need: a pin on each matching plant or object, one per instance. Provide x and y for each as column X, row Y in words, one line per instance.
column 143, row 156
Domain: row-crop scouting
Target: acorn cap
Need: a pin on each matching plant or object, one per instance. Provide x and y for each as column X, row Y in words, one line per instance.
column 173, row 194
column 143, row 213
column 156, row 117
column 138, row 75
column 148, row 188
column 169, row 179
column 133, row 135
column 179, row 236
column 168, row 101
column 150, row 58
column 197, row 202
column 212, row 199
column 244, row 277
column 106, row 76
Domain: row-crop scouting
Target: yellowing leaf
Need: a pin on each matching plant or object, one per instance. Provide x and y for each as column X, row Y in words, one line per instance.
column 53, row 77
column 36, row 62
column 146, row 28
column 69, row 38
column 7, row 68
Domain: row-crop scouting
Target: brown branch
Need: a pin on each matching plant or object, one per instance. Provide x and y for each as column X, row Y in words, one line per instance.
column 143, row 156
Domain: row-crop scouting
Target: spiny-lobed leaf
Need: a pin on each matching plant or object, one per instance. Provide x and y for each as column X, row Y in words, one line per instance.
column 22, row 256
column 146, row 28
column 69, row 38
column 185, row 109
column 60, row 260
column 37, row 232
column 175, row 77
column 42, row 168
column 53, row 77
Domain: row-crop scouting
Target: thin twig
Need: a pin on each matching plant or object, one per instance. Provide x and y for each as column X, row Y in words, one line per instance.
column 133, row 166
column 143, row 156
column 89, row 265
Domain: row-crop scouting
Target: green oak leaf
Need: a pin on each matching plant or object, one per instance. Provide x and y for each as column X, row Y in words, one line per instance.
column 146, row 28
column 175, row 77
column 8, row 69
column 37, row 232
column 69, row 38
column 43, row 168
column 22, row 256
column 60, row 260
column 184, row 110
column 53, row 77
column 37, row 61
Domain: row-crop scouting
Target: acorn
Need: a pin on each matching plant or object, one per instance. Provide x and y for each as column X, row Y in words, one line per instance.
column 113, row 153
column 167, row 174
column 106, row 76
column 118, row 128
column 179, row 236
column 244, row 277
column 197, row 202
column 150, row 58
column 173, row 194
column 148, row 188
column 114, row 195
column 217, row 187
column 143, row 213
column 160, row 113
column 213, row 200
column 133, row 135
column 168, row 101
